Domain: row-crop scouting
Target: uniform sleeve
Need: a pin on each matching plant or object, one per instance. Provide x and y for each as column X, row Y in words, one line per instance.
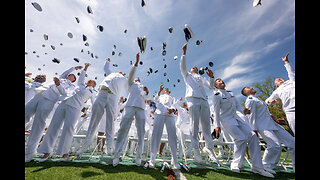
column 106, row 68
column 216, row 111
column 208, row 84
column 274, row 95
column 250, row 104
column 132, row 73
column 66, row 73
column 183, row 67
column 290, row 70
column 81, row 79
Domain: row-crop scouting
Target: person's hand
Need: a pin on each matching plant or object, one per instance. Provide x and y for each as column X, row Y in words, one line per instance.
column 273, row 101
column 285, row 59
column 184, row 49
column 180, row 99
column 121, row 99
column 78, row 67
column 146, row 90
column 218, row 130
column 27, row 74
column 246, row 111
column 108, row 59
column 56, row 81
column 161, row 87
column 209, row 73
column 86, row 65
column 137, row 59
column 169, row 110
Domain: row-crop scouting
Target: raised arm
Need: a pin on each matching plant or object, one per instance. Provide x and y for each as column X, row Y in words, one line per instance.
column 289, row 68
column 133, row 69
column 106, row 67
column 183, row 67
column 82, row 76
column 67, row 72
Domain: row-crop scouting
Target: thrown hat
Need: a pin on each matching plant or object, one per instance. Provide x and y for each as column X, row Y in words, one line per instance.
column 55, row 60
column 187, row 32
column 164, row 52
column 175, row 58
column 76, row 59
column 70, row 35
column 210, row 64
column 143, row 3
column 170, row 30
column 100, row 28
column 77, row 19
column 142, row 42
column 37, row 6
column 256, row 3
column 89, row 10
column 46, row 37
column 198, row 42
column 84, row 37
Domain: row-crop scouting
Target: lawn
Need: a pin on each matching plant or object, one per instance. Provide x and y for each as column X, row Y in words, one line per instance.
column 80, row 170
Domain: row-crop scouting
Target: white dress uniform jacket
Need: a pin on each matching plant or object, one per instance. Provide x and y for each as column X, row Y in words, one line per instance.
column 197, row 103
column 260, row 117
column 195, row 83
column 286, row 91
column 137, row 95
column 164, row 102
column 106, row 101
column 225, row 106
column 67, row 113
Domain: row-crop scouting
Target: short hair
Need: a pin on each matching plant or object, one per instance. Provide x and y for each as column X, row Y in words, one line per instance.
column 75, row 78
column 216, row 81
column 242, row 91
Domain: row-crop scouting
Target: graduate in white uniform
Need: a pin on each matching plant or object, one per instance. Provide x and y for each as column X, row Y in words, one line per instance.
column 260, row 120
column 225, row 106
column 33, row 87
column 42, row 104
column 134, row 108
column 68, row 113
column 106, row 101
column 286, row 92
column 198, row 106
column 164, row 115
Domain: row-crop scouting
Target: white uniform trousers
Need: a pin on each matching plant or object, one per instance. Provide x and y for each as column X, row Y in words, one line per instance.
column 104, row 102
column 291, row 118
column 159, row 122
column 243, row 134
column 199, row 111
column 125, row 125
column 68, row 116
column 42, row 109
column 272, row 153
column 31, row 107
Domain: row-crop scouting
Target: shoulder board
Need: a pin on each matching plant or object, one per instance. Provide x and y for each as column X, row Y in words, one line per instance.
column 229, row 91
column 250, row 97
column 217, row 93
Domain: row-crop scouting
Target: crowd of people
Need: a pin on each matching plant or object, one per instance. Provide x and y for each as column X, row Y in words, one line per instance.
column 64, row 105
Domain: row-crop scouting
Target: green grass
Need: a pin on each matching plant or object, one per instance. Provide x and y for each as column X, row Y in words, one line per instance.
column 70, row 170
column 52, row 169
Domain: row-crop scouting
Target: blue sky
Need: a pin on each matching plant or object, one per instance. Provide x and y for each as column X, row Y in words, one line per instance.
column 245, row 43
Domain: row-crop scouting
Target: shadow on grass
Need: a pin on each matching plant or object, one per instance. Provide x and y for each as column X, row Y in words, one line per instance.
column 109, row 169
column 223, row 173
